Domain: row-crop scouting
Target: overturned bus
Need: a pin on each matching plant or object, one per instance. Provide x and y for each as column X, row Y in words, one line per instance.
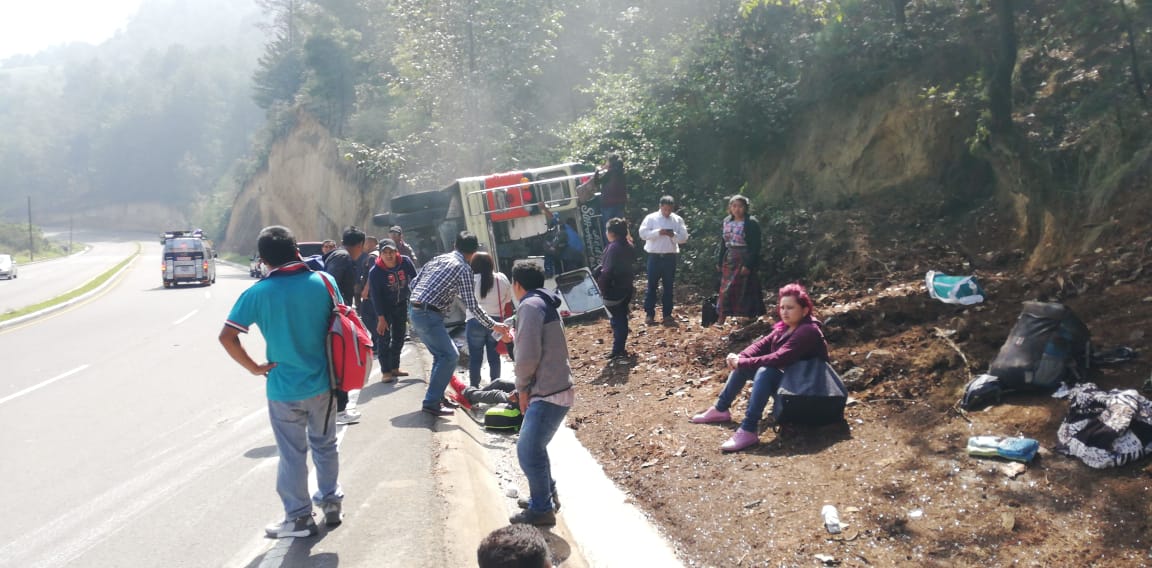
column 509, row 214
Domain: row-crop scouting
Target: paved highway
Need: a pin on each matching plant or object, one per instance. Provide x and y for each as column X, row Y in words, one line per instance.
column 131, row 439
column 43, row 280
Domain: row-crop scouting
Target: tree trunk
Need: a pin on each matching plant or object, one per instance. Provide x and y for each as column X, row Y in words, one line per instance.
column 898, row 14
column 1133, row 56
column 1000, row 85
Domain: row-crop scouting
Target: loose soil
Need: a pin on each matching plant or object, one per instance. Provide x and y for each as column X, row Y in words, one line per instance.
column 906, row 490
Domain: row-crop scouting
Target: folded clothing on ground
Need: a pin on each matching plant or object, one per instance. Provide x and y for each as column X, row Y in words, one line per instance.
column 1016, row 449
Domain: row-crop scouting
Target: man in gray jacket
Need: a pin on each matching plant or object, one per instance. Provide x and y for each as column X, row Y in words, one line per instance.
column 544, row 386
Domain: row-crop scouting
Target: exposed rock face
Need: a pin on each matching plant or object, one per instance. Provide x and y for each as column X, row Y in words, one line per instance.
column 892, row 139
column 306, row 187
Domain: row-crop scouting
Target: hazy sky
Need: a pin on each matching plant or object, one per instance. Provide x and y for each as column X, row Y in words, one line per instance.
column 27, row 26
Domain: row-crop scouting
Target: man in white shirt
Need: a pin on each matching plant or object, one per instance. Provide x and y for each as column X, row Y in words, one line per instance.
column 663, row 232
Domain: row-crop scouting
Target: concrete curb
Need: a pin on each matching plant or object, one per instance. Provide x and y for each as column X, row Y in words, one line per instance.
column 78, row 299
column 597, row 525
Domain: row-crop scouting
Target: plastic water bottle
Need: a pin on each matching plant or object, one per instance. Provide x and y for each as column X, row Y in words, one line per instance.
column 831, row 519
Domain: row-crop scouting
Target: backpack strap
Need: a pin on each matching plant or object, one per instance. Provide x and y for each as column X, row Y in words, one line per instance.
column 328, row 350
column 331, row 290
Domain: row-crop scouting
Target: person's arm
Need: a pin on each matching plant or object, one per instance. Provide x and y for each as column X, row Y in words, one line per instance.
column 466, row 285
column 339, row 266
column 752, row 238
column 723, row 248
column 647, row 229
column 606, row 266
column 408, row 265
column 529, row 346
column 382, row 296
column 680, row 230
column 804, row 343
column 230, row 340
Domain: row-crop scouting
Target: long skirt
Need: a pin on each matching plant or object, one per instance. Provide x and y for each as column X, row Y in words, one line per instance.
column 740, row 295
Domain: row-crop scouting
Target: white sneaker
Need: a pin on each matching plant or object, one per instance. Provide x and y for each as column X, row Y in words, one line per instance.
column 333, row 514
column 349, row 416
column 300, row 527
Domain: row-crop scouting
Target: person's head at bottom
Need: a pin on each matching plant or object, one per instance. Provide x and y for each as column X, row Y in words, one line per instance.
column 526, row 276
column 276, row 246
column 514, row 546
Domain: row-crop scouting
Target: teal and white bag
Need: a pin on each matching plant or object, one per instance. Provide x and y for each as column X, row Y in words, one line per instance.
column 963, row 290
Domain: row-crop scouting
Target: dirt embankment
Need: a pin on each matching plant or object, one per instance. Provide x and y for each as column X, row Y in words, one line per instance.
column 897, row 469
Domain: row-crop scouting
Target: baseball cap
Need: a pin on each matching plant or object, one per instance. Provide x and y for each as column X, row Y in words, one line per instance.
column 387, row 243
column 396, row 229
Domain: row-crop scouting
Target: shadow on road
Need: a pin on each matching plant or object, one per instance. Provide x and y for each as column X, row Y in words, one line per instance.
column 261, row 452
column 297, row 554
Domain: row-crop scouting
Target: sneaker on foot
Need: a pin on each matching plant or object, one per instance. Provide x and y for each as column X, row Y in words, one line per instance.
column 457, row 383
column 669, row 321
column 348, row 416
column 650, row 320
column 438, row 410
column 530, row 517
column 711, row 416
column 740, row 440
column 387, row 377
column 333, row 513
column 298, row 527
column 458, row 399
column 523, row 503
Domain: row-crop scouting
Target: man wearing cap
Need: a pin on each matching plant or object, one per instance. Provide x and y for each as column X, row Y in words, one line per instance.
column 663, row 232
column 388, row 288
column 438, row 284
column 397, row 234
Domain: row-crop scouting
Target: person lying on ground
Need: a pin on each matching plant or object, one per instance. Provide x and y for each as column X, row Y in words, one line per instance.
column 499, row 391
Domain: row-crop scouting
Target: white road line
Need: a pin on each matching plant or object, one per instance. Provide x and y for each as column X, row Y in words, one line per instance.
column 185, row 318
column 43, row 384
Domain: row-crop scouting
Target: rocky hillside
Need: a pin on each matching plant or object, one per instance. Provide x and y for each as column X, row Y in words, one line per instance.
column 308, row 187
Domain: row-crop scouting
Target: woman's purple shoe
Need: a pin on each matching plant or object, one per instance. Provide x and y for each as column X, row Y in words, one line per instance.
column 711, row 416
column 740, row 440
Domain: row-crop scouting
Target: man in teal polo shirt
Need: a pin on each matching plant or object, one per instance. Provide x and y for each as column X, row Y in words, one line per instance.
column 291, row 307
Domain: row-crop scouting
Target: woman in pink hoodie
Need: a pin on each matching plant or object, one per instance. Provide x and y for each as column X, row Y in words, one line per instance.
column 796, row 337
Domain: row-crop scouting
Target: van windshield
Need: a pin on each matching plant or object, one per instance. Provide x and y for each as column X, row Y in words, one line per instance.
column 183, row 245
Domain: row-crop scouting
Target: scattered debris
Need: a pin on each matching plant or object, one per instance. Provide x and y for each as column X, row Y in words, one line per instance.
column 1013, row 469
column 827, row 559
column 1008, row 521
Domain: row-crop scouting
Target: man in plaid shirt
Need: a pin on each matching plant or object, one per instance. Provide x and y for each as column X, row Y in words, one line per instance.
column 440, row 281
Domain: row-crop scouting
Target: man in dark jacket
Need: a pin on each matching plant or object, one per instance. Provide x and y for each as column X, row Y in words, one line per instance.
column 341, row 264
column 543, row 386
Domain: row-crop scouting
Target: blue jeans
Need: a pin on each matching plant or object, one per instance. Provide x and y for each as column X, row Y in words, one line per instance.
column 481, row 344
column 541, row 422
column 429, row 325
column 765, row 383
column 392, row 341
column 661, row 271
column 297, row 426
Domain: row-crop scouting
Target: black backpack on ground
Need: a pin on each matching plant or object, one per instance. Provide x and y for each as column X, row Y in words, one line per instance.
column 1048, row 345
column 708, row 313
